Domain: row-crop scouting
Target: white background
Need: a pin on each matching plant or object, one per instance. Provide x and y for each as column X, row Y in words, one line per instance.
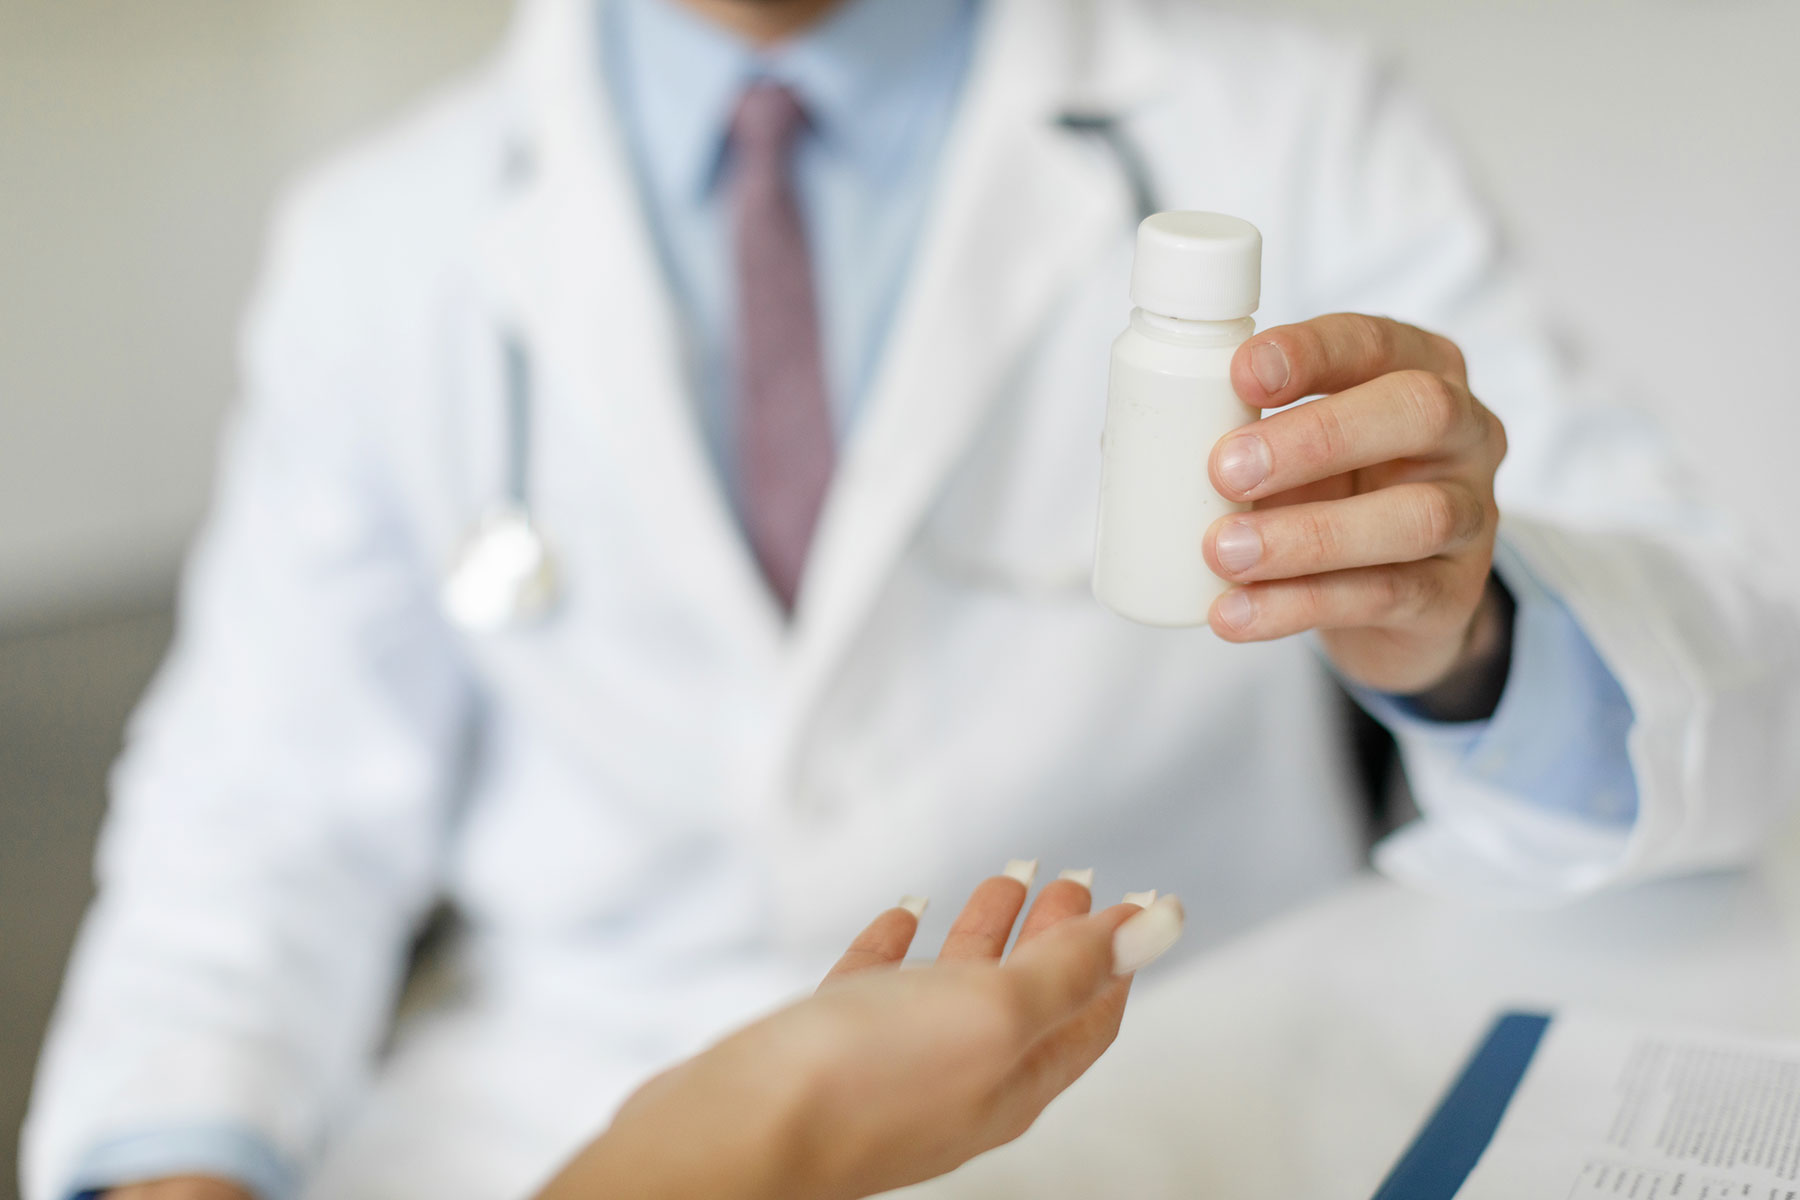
column 1645, row 152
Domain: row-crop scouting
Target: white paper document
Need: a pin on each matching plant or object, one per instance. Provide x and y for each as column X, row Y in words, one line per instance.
column 1644, row 1113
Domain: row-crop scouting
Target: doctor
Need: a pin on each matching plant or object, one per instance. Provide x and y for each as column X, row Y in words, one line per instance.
column 805, row 306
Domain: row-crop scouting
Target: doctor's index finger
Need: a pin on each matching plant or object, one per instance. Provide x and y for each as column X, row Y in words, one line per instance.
column 1331, row 353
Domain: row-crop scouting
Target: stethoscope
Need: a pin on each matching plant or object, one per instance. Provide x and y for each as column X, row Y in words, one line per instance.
column 505, row 573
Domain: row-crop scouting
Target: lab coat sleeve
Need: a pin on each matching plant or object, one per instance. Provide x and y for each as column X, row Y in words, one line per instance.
column 1556, row 681
column 244, row 1156
column 276, row 821
column 1594, row 511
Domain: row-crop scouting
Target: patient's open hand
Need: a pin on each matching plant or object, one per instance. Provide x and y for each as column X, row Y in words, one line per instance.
column 887, row 1077
column 186, row 1188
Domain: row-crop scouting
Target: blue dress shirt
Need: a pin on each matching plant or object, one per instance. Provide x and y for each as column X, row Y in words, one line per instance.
column 880, row 81
column 1557, row 737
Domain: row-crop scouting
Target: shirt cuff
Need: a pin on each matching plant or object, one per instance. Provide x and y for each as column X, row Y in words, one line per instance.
column 235, row 1153
column 1557, row 740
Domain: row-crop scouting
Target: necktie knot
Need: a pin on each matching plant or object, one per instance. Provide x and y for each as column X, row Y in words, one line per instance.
column 768, row 119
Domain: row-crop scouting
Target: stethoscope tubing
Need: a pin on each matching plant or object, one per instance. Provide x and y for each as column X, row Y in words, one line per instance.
column 519, row 395
column 1126, row 154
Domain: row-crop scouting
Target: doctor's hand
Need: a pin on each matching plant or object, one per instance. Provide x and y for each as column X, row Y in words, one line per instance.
column 889, row 1076
column 1374, row 514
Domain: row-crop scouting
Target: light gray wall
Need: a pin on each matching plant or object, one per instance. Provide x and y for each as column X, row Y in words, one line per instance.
column 1645, row 151
column 1646, row 155
column 141, row 142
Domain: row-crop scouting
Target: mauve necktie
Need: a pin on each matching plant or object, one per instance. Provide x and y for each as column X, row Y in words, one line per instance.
column 784, row 440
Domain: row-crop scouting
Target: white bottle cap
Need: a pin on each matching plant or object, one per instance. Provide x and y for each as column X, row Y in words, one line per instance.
column 1197, row 266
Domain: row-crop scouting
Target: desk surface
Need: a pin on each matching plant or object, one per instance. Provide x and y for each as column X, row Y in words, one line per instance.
column 1300, row 1060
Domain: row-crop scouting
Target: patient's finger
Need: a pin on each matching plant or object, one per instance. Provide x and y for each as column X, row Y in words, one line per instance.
column 1070, row 895
column 1088, row 1024
column 883, row 944
column 986, row 921
column 1059, row 972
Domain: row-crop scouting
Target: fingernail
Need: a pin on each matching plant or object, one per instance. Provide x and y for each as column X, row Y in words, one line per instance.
column 1141, row 899
column 1085, row 877
column 1238, row 546
column 1022, row 869
column 916, row 905
column 1147, row 936
column 1236, row 609
column 1244, row 463
column 1268, row 362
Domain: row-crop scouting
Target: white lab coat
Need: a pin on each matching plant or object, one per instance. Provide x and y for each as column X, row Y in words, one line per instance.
column 662, row 809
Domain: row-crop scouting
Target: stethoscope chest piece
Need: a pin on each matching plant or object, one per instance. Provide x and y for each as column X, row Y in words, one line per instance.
column 504, row 575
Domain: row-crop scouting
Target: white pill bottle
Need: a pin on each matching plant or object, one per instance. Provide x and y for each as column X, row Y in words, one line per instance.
column 1196, row 280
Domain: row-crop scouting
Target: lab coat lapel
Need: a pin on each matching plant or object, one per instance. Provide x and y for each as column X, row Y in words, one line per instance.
column 1023, row 205
column 570, row 259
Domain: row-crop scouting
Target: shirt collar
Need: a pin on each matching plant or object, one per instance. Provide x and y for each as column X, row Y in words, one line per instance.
column 858, row 75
